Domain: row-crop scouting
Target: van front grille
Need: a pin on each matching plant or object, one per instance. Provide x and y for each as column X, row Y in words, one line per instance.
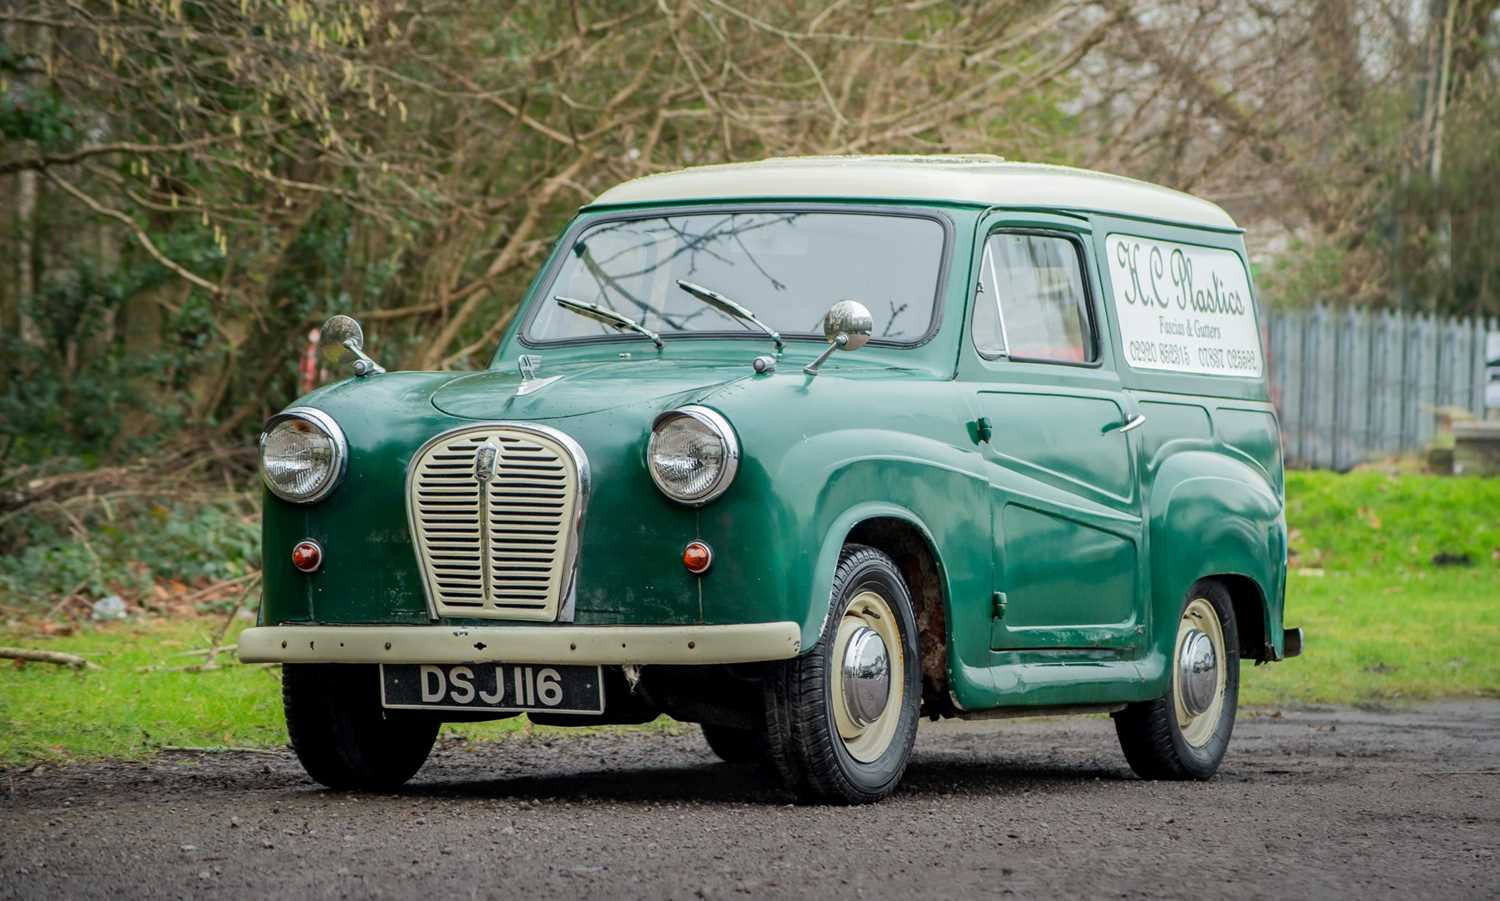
column 494, row 513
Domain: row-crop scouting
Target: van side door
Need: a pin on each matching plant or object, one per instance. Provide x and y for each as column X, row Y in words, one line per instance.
column 1066, row 507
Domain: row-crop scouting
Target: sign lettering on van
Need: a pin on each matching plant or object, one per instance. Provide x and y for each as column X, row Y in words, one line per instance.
column 1183, row 308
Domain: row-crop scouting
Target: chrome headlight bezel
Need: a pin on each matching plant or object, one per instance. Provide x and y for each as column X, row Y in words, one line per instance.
column 715, row 423
column 323, row 423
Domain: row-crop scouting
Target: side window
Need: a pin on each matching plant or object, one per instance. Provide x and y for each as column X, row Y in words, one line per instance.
column 1031, row 302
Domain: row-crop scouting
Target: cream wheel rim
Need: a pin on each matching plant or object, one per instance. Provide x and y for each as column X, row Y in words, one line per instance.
column 868, row 736
column 1199, row 673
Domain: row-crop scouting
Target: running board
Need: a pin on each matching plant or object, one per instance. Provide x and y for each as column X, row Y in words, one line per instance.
column 1007, row 713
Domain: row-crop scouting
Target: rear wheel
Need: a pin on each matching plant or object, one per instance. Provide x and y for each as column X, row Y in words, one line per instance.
column 841, row 719
column 1184, row 734
column 340, row 733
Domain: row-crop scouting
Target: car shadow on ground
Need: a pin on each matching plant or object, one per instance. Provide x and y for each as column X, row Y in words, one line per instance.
column 746, row 784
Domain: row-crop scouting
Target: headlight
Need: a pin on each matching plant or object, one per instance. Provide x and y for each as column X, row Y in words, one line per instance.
column 693, row 455
column 302, row 455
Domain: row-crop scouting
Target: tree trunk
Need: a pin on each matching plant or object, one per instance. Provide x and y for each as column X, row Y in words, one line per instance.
column 26, row 230
column 26, row 258
column 140, row 320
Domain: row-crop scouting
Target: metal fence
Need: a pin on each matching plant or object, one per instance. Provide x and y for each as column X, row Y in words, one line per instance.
column 1352, row 385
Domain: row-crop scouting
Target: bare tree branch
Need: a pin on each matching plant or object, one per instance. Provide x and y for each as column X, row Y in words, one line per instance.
column 136, row 231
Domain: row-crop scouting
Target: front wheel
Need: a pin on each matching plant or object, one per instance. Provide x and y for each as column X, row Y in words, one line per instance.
column 841, row 719
column 1184, row 734
column 342, row 736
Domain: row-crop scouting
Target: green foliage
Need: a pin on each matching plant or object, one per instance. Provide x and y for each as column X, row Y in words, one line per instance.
column 129, row 552
column 38, row 116
column 1447, row 230
column 1308, row 272
column 78, row 391
column 62, row 397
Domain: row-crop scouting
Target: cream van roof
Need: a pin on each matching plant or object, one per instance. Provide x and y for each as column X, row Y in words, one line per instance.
column 988, row 180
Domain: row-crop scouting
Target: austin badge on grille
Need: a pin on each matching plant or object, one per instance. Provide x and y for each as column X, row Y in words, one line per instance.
column 486, row 460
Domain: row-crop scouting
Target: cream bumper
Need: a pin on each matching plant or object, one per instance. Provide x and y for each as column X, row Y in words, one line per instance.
column 744, row 643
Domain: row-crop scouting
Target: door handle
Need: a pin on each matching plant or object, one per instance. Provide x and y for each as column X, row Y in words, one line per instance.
column 1134, row 422
column 983, row 430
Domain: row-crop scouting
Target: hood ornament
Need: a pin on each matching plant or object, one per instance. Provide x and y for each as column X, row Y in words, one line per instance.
column 530, row 384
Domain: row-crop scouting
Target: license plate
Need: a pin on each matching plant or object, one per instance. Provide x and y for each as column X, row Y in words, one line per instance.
column 492, row 686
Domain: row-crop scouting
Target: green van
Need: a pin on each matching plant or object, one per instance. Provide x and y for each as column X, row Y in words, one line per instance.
column 802, row 450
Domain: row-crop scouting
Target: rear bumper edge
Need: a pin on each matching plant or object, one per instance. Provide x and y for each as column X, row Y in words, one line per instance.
column 740, row 643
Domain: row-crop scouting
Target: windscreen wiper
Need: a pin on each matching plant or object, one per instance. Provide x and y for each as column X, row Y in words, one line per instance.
column 728, row 307
column 608, row 317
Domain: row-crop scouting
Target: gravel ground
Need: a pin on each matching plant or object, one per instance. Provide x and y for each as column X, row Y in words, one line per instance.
column 1311, row 803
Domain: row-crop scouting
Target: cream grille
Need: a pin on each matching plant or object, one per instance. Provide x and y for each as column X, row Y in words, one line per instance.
column 496, row 539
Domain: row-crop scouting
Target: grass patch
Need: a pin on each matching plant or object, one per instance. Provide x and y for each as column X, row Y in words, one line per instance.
column 1384, row 624
column 52, row 713
column 49, row 712
column 1379, row 637
column 1396, row 581
column 1377, row 521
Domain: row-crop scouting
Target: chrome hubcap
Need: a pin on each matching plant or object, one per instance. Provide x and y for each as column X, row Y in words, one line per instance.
column 867, row 676
column 1198, row 672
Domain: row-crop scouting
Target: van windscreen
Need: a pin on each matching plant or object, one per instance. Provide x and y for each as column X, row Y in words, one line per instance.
column 787, row 267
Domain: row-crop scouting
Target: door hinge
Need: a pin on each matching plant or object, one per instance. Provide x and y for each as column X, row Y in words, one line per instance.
column 983, row 431
column 997, row 605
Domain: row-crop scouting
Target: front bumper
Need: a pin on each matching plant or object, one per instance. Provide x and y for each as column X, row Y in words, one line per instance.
column 743, row 643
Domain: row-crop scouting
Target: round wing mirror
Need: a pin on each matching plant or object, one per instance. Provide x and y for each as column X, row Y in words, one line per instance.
column 847, row 326
column 342, row 338
column 851, row 319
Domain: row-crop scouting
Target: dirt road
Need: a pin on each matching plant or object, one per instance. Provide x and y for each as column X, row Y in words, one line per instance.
column 1312, row 803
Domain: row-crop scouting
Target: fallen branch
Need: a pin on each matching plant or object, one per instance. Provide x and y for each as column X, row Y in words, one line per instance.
column 206, row 652
column 69, row 598
column 184, row 749
column 209, row 667
column 215, row 588
column 56, row 657
column 189, row 668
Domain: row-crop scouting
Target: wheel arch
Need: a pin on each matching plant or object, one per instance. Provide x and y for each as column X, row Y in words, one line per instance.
column 1236, row 527
column 910, row 545
column 1251, row 614
column 902, row 535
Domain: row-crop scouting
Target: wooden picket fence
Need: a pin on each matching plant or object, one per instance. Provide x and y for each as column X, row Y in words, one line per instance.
column 1355, row 385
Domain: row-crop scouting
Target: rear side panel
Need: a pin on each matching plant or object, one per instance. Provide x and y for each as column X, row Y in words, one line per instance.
column 1210, row 451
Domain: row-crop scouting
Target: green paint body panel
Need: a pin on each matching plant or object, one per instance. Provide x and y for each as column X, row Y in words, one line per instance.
column 1093, row 535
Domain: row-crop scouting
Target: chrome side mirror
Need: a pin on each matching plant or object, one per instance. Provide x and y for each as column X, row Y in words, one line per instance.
column 847, row 326
column 341, row 339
